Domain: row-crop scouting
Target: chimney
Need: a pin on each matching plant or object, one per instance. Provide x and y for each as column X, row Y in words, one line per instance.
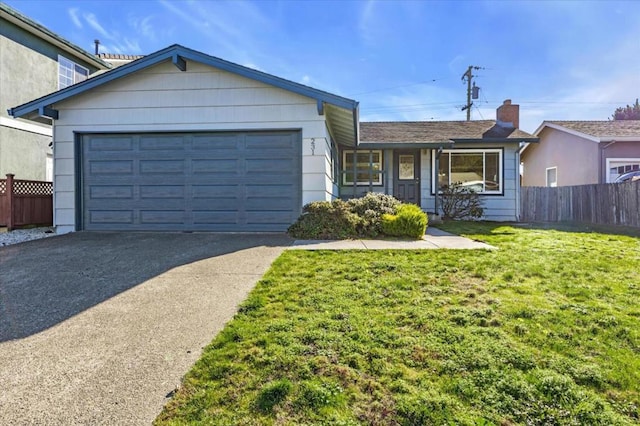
column 97, row 43
column 508, row 115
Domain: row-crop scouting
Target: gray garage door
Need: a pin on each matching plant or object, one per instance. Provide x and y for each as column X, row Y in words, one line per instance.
column 240, row 181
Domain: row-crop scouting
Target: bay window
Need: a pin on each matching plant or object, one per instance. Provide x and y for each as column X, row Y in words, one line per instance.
column 476, row 169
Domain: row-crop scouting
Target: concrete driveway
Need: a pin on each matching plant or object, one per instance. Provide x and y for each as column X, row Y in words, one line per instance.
column 99, row 328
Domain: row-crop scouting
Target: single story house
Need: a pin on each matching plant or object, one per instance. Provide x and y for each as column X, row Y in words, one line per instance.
column 581, row 152
column 182, row 141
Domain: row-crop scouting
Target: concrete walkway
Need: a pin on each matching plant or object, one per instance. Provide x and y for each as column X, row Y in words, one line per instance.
column 434, row 239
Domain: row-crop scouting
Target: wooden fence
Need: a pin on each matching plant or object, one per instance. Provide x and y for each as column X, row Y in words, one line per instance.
column 25, row 202
column 605, row 204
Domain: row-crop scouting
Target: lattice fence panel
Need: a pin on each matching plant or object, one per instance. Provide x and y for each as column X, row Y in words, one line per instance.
column 28, row 187
column 3, row 186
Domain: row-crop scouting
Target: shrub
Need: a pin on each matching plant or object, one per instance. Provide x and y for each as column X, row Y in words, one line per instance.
column 325, row 220
column 359, row 217
column 410, row 221
column 370, row 209
column 459, row 202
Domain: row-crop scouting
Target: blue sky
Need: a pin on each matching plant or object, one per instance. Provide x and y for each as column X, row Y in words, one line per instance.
column 402, row 60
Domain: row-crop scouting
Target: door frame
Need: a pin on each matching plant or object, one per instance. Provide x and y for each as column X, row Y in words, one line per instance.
column 416, row 165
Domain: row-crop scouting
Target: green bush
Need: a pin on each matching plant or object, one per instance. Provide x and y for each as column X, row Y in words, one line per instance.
column 324, row 220
column 370, row 209
column 358, row 217
column 410, row 221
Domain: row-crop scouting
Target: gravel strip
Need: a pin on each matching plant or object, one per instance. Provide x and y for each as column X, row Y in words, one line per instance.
column 21, row 235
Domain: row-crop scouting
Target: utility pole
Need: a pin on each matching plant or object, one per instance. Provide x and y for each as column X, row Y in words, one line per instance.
column 468, row 75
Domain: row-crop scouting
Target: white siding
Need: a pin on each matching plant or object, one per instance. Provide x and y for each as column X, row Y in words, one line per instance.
column 163, row 98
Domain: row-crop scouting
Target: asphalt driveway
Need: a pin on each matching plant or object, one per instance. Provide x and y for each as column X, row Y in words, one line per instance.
column 99, row 328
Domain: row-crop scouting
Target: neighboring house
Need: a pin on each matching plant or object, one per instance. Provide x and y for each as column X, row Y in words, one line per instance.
column 581, row 152
column 408, row 157
column 117, row 59
column 33, row 62
column 180, row 140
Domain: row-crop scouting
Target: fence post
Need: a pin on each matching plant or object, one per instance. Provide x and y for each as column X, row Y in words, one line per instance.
column 9, row 201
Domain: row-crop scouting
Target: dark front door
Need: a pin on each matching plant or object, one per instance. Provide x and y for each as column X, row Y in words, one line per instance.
column 406, row 176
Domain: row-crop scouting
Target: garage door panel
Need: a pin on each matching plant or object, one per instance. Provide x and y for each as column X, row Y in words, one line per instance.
column 162, row 191
column 162, row 167
column 227, row 166
column 266, row 141
column 117, row 192
column 269, row 217
column 111, row 167
column 123, row 217
column 215, row 217
column 219, row 142
column 243, row 181
column 111, row 143
column 165, row 143
column 162, row 217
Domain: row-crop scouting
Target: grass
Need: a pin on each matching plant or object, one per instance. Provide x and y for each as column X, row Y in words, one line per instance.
column 543, row 331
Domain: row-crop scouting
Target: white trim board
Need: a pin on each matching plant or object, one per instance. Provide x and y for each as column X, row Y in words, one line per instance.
column 27, row 127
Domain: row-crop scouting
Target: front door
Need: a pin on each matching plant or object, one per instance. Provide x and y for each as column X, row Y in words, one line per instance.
column 406, row 176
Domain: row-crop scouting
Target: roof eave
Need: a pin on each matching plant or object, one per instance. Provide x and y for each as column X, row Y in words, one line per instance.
column 178, row 54
column 497, row 140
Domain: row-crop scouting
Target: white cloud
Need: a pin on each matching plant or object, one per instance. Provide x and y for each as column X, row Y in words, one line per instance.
column 73, row 14
column 143, row 26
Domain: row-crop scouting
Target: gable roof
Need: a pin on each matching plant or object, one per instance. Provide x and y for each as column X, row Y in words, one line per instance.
column 423, row 134
column 342, row 113
column 597, row 131
column 11, row 15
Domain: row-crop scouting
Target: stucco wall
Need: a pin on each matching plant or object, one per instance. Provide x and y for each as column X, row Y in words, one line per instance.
column 28, row 70
column 577, row 159
column 163, row 98
column 618, row 150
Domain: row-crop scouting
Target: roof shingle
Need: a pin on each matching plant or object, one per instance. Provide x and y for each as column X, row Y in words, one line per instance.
column 436, row 131
column 609, row 128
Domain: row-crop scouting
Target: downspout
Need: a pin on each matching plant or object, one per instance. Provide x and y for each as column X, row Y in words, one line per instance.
column 603, row 164
column 356, row 135
column 370, row 170
column 517, row 184
column 355, row 170
column 437, row 173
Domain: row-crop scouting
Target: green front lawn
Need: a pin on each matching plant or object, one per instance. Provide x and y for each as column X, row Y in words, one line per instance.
column 545, row 330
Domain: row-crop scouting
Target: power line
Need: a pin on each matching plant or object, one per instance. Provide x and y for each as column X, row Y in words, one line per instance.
column 398, row 87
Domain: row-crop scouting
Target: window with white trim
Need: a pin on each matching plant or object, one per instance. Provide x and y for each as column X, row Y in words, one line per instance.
column 551, row 178
column 70, row 73
column 476, row 169
column 368, row 166
column 620, row 166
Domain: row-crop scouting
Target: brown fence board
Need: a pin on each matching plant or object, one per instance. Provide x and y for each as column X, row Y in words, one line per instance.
column 605, row 204
column 25, row 202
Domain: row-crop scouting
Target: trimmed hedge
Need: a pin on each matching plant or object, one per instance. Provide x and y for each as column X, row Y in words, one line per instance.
column 410, row 221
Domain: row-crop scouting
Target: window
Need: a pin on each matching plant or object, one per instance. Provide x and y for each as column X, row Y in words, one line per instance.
column 363, row 160
column 70, row 73
column 620, row 166
column 477, row 169
column 552, row 177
